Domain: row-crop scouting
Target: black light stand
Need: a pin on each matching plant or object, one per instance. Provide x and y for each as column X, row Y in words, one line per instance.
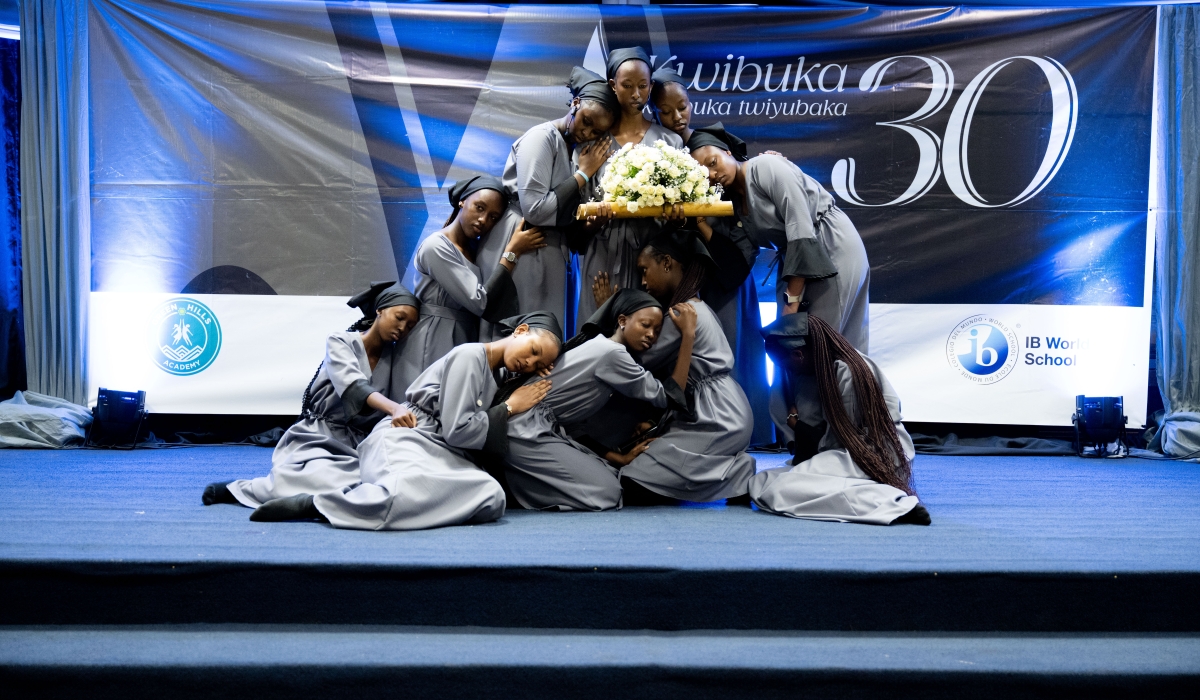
column 1100, row 421
column 117, row 419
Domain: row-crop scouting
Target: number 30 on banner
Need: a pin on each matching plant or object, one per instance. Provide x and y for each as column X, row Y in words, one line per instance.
column 951, row 156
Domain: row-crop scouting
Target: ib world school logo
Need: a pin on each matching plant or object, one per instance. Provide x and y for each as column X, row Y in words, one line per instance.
column 982, row 349
column 187, row 337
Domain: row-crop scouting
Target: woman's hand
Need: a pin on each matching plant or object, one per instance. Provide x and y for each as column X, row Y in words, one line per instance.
column 773, row 153
column 403, row 418
column 593, row 154
column 602, row 289
column 600, row 218
column 620, row 460
column 792, row 417
column 684, row 317
column 704, row 228
column 525, row 240
column 545, row 371
column 528, row 396
column 675, row 215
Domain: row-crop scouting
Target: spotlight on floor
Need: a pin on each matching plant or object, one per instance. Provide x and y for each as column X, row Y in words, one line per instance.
column 117, row 419
column 1100, row 423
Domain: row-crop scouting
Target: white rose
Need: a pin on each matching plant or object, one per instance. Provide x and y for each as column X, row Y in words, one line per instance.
column 658, row 201
column 686, row 188
column 632, row 207
column 674, row 171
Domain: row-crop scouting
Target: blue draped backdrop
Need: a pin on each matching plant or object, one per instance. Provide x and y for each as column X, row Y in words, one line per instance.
column 12, row 338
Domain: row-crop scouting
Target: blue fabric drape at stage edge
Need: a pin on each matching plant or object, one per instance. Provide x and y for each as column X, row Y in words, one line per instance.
column 12, row 337
column 55, row 195
column 1178, row 282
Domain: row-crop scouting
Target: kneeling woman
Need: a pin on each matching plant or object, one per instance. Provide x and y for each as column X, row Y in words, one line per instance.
column 548, row 470
column 422, row 475
column 351, row 391
column 853, row 456
column 450, row 286
column 701, row 456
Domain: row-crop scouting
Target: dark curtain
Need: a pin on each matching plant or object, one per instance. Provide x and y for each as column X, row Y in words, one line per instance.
column 12, row 336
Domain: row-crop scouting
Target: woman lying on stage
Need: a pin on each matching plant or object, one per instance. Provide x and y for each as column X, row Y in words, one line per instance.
column 544, row 190
column 423, row 475
column 701, row 455
column 452, row 291
column 545, row 469
column 349, row 394
column 823, row 258
column 853, row 456
column 612, row 245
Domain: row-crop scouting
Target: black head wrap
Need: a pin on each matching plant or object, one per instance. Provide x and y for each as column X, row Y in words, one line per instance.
column 536, row 319
column 786, row 334
column 682, row 244
column 666, row 75
column 623, row 303
column 716, row 135
column 618, row 56
column 586, row 85
column 465, row 188
column 382, row 295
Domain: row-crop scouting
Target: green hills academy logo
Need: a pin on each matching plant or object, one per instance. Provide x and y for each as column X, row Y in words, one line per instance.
column 187, row 337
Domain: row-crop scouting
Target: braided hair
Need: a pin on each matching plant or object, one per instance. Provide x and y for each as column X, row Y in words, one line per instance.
column 874, row 445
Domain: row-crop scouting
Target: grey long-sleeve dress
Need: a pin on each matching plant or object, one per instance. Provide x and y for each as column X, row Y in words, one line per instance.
column 830, row 486
column 453, row 298
column 423, row 477
column 614, row 249
column 319, row 452
column 548, row 470
column 539, row 176
column 701, row 457
column 791, row 212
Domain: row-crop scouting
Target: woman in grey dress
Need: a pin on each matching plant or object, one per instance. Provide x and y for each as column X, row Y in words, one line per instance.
column 700, row 456
column 544, row 187
column 823, row 259
column 424, row 475
column 545, row 468
column 730, row 290
column 610, row 245
column 454, row 295
column 349, row 394
column 853, row 458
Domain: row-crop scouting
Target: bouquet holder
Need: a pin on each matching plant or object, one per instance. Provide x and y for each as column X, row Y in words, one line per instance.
column 690, row 209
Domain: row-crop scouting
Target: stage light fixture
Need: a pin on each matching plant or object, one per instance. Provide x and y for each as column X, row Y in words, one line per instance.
column 1100, row 422
column 117, row 419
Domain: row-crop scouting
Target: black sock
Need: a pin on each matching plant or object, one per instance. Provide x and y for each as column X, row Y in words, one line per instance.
column 218, row 492
column 742, row 500
column 291, row 508
column 917, row 516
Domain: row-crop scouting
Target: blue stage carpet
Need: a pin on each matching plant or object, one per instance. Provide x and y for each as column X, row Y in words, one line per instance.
column 1002, row 514
column 1040, row 577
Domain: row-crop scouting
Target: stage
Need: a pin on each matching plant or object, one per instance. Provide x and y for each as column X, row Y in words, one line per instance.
column 1052, row 575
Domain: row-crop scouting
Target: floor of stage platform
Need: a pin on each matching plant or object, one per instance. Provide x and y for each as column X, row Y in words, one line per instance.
column 1027, row 514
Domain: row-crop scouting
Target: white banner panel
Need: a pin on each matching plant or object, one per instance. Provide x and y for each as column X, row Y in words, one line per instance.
column 211, row 353
column 1008, row 364
column 1012, row 364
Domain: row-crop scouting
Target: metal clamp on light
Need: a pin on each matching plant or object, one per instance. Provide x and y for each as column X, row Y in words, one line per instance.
column 1100, row 422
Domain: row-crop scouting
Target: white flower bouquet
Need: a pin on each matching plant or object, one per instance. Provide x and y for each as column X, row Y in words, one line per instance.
column 646, row 181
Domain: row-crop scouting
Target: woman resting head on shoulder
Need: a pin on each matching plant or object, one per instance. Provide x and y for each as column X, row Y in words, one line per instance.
column 669, row 97
column 530, row 344
column 479, row 202
column 389, row 314
column 593, row 109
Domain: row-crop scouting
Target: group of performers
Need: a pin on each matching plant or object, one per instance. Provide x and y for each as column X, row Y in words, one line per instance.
column 448, row 404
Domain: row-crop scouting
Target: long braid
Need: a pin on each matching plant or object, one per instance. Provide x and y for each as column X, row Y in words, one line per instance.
column 690, row 284
column 306, row 404
column 874, row 445
column 453, row 214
